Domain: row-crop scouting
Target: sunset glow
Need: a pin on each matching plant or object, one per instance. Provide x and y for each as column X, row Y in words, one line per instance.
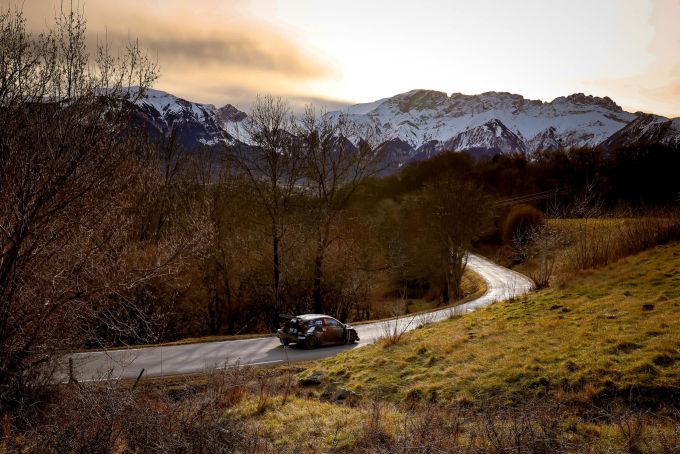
column 358, row 51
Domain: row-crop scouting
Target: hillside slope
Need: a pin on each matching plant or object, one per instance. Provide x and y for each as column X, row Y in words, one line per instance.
column 610, row 332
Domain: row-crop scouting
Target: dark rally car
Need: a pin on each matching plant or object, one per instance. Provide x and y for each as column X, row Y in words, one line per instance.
column 313, row 330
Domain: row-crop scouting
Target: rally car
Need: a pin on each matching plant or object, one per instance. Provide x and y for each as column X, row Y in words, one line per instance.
column 313, row 330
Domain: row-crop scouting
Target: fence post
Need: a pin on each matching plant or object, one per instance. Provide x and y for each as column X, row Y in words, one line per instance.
column 71, row 374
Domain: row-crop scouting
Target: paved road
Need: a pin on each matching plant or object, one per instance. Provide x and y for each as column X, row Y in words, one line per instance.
column 502, row 283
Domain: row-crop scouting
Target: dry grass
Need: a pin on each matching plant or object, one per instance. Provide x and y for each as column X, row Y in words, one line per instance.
column 591, row 366
column 566, row 247
column 592, row 243
column 304, row 424
column 613, row 332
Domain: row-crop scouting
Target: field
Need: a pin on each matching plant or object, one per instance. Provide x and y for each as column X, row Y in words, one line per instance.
column 607, row 339
column 563, row 247
column 588, row 366
column 609, row 332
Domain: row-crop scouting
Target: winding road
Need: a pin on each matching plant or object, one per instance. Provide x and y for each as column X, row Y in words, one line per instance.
column 502, row 284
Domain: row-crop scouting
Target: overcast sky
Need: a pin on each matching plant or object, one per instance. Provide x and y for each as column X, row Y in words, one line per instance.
column 332, row 52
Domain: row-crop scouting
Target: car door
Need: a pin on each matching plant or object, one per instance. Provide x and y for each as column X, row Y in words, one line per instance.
column 320, row 330
column 336, row 331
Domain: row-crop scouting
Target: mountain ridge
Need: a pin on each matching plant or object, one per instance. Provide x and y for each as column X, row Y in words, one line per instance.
column 420, row 123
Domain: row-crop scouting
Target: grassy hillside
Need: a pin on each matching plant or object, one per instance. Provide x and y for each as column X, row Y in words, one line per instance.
column 614, row 331
column 562, row 370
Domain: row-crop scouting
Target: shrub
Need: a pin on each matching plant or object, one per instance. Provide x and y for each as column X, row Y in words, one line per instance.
column 521, row 220
column 110, row 417
column 600, row 241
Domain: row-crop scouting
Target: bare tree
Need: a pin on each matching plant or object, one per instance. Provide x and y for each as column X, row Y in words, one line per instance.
column 540, row 247
column 173, row 160
column 69, row 164
column 232, row 255
column 271, row 161
column 593, row 245
column 451, row 214
column 333, row 169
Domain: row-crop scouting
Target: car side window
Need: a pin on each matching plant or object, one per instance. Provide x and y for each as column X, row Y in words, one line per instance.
column 332, row 322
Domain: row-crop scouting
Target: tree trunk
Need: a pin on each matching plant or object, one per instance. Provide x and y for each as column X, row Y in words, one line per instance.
column 322, row 243
column 231, row 330
column 277, row 279
column 215, row 313
column 457, row 257
column 318, row 274
column 445, row 290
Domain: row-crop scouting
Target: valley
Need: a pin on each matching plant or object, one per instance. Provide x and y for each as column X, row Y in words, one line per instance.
column 321, row 257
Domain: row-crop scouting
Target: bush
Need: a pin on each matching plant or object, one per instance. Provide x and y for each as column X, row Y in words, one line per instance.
column 600, row 241
column 521, row 220
column 110, row 417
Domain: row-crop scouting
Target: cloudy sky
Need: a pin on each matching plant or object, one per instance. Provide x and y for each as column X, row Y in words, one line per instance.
column 338, row 52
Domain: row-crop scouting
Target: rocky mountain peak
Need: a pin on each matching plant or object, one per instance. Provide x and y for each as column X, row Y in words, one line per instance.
column 419, row 100
column 420, row 123
column 492, row 135
column 230, row 114
column 583, row 99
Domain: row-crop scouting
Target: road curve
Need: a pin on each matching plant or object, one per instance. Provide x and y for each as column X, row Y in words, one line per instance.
column 502, row 284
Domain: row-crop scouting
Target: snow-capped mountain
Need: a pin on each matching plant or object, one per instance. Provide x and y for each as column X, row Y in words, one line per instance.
column 646, row 129
column 492, row 135
column 420, row 123
column 194, row 125
column 501, row 121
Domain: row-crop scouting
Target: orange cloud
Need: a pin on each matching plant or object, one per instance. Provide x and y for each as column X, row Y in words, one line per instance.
column 264, row 52
column 206, row 51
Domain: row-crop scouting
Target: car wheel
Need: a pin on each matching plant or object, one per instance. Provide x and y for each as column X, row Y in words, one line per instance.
column 311, row 343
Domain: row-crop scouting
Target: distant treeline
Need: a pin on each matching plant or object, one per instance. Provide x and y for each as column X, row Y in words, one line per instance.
column 632, row 177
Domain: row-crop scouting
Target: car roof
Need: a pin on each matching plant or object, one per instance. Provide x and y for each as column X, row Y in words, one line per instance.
column 312, row 316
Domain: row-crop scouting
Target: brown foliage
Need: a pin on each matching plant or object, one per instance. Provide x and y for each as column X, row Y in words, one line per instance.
column 446, row 216
column 519, row 222
column 72, row 175
column 114, row 417
column 195, row 415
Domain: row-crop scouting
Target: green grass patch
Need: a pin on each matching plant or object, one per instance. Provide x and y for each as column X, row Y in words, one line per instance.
column 594, row 337
column 297, row 424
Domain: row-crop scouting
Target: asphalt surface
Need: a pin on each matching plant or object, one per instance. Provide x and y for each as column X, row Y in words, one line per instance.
column 502, row 284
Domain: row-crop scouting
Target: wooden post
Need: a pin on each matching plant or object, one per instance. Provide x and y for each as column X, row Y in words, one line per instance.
column 139, row 377
column 71, row 375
